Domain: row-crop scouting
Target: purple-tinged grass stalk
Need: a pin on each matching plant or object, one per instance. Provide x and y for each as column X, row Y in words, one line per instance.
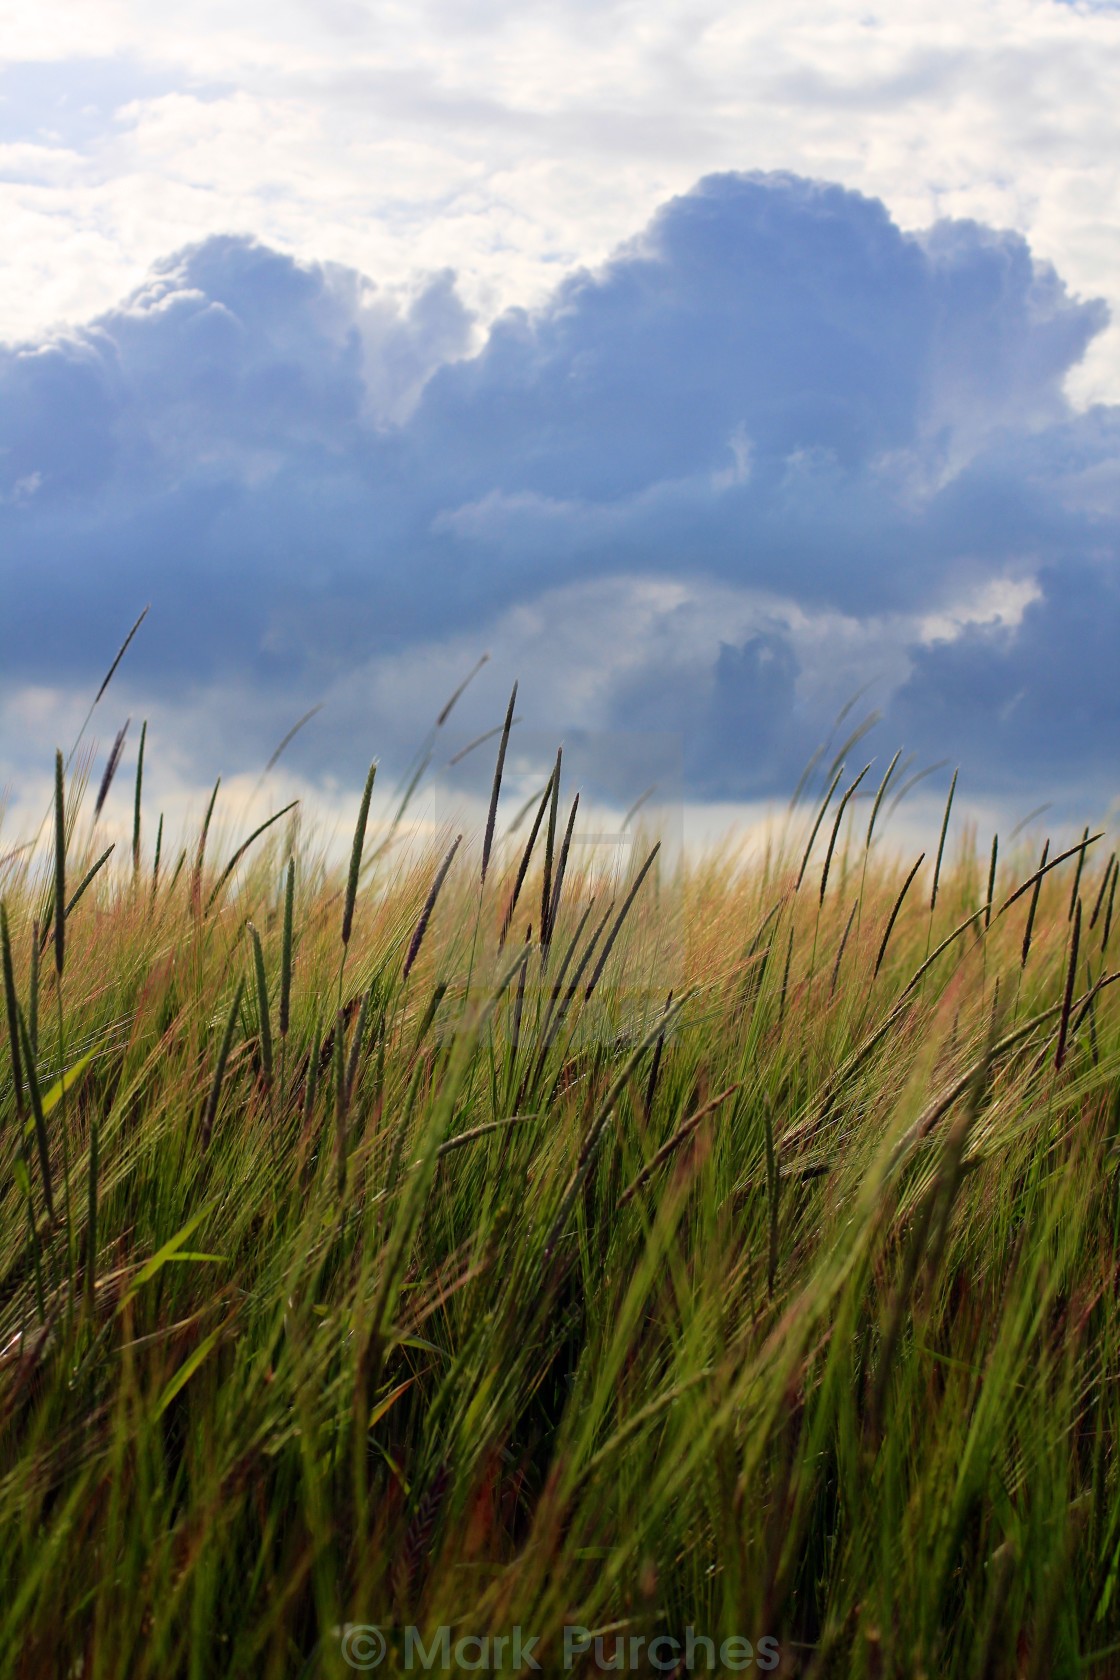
column 211, row 1109
column 842, row 947
column 782, row 995
column 894, row 914
column 340, row 1102
column 619, row 920
column 863, row 728
column 200, row 855
column 1029, row 929
column 1075, row 890
column 109, row 675
column 637, row 805
column 492, row 814
column 1108, row 909
column 991, row 883
column 526, row 857
column 1105, row 878
column 155, row 860
column 78, row 892
column 573, row 986
column 832, row 786
column 941, row 841
column 244, row 847
column 59, row 967
column 879, row 798
column 1071, row 979
column 291, row 735
column 599, row 1123
column 553, row 1014
column 356, row 856
column 285, row 1002
column 110, row 769
column 11, row 1006
column 479, row 741
column 915, row 781
column 1025, row 886
column 286, row 948
column 449, row 706
column 263, row 1015
column 59, row 867
column 558, row 887
column 357, row 1044
column 312, row 1079
column 683, row 1132
column 550, row 844
column 177, row 871
column 429, row 905
column 33, row 990
column 840, row 809
column 39, row 1117
column 136, row 797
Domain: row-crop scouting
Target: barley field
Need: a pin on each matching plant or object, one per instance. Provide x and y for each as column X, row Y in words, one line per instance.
column 390, row 1248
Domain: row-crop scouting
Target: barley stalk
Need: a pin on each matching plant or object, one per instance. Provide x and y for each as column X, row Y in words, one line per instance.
column 941, row 840
column 894, row 914
column 356, row 855
column 492, row 814
column 429, row 906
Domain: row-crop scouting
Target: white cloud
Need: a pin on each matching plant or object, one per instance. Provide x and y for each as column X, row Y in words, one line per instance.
column 509, row 140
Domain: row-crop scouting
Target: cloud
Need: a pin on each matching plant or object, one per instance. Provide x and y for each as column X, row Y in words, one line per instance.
column 774, row 448
column 511, row 141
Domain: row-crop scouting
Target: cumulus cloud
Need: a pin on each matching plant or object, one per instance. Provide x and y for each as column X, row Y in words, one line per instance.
column 510, row 141
column 774, row 448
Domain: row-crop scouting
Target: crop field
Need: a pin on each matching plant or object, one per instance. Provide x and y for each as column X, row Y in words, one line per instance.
column 396, row 1274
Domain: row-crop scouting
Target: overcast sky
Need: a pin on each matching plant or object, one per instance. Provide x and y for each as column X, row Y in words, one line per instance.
column 703, row 364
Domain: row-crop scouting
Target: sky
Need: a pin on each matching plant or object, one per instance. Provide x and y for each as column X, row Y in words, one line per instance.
column 704, row 366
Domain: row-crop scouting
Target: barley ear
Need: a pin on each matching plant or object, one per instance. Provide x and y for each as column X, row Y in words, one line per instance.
column 492, row 814
column 894, row 913
column 286, row 948
column 262, row 1004
column 220, row 1068
column 59, row 867
column 879, row 795
column 11, row 1005
column 1081, row 850
column 136, row 796
column 429, row 905
column 991, row 883
column 356, row 855
column 941, row 841
column 1071, row 979
column 1028, row 931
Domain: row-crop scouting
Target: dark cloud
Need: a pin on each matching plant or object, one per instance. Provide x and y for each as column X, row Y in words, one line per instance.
column 834, row 433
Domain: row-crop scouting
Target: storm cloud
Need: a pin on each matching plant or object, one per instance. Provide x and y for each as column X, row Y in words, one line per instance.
column 774, row 449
